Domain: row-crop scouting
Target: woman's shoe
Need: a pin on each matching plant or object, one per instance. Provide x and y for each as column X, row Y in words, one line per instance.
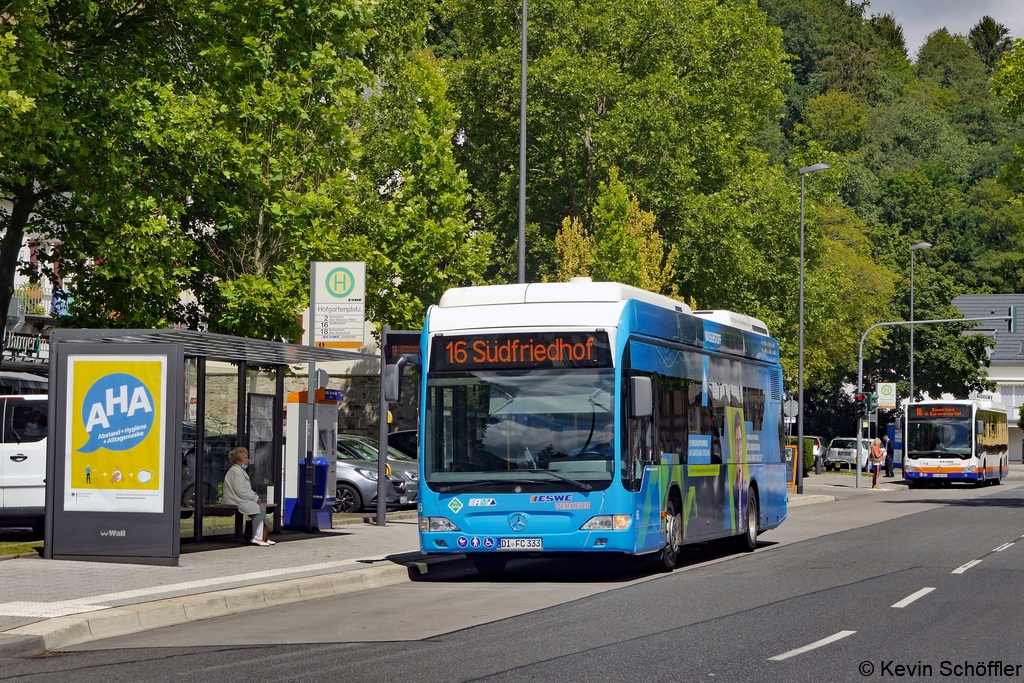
column 257, row 541
column 269, row 542
column 875, row 486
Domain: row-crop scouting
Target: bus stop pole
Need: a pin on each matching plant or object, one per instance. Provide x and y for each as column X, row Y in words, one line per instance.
column 310, row 407
column 382, row 446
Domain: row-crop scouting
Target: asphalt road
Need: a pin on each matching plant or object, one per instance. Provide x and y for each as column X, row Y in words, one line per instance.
column 727, row 617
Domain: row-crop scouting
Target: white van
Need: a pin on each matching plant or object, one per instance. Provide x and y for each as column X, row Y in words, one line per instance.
column 23, row 460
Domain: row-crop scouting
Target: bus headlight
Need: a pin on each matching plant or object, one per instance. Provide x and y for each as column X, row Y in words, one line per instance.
column 970, row 468
column 909, row 468
column 608, row 523
column 437, row 524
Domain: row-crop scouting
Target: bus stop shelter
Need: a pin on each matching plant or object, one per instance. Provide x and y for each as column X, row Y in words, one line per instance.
column 137, row 443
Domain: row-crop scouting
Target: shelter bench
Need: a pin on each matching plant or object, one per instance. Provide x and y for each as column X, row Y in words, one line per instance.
column 243, row 527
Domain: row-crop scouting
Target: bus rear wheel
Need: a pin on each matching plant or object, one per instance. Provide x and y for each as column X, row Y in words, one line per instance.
column 748, row 541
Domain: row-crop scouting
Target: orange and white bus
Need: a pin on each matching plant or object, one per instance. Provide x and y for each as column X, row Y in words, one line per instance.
column 949, row 441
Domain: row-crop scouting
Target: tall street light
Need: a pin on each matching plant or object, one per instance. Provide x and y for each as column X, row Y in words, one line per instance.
column 522, row 156
column 800, row 399
column 913, row 248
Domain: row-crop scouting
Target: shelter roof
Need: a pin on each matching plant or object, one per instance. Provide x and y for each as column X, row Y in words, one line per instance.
column 223, row 347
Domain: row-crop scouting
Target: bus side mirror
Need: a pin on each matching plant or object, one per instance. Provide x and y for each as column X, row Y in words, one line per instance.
column 980, row 427
column 641, row 400
column 391, row 382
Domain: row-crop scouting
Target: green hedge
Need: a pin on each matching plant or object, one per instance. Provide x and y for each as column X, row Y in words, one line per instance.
column 808, row 453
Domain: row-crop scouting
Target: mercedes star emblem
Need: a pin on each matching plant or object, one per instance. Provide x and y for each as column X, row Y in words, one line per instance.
column 517, row 521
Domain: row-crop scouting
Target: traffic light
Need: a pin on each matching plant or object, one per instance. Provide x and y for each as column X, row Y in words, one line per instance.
column 871, row 402
column 861, row 405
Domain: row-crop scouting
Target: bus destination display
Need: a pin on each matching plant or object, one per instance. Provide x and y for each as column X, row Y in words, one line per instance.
column 941, row 411
column 520, row 351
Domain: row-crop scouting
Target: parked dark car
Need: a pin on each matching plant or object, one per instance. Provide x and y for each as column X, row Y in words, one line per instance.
column 215, row 466
column 407, row 441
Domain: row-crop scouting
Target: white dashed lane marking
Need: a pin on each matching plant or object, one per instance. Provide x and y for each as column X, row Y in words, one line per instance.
column 1002, row 548
column 813, row 646
column 961, row 569
column 912, row 597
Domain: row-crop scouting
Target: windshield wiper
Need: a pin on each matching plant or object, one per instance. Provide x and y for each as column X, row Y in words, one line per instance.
column 484, row 482
column 583, row 486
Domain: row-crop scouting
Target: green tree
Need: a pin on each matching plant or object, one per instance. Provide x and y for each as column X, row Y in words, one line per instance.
column 669, row 93
column 56, row 46
column 990, row 40
column 243, row 141
column 623, row 245
column 890, row 31
column 575, row 247
column 1008, row 84
column 847, row 292
column 836, row 120
column 12, row 102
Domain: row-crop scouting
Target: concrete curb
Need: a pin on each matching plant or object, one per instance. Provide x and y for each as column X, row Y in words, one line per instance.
column 806, row 499
column 28, row 556
column 60, row 632
column 21, row 646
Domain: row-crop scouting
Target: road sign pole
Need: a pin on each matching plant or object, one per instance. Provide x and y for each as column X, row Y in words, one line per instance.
column 382, row 434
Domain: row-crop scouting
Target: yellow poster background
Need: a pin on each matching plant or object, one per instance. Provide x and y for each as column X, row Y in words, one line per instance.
column 144, row 458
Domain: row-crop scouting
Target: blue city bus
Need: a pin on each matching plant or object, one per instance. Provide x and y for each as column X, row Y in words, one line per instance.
column 595, row 417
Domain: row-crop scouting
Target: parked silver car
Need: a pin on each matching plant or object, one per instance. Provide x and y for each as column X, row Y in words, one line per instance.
column 405, row 474
column 843, row 451
column 357, row 485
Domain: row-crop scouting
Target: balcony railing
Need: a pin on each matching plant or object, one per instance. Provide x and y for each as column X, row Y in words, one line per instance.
column 37, row 298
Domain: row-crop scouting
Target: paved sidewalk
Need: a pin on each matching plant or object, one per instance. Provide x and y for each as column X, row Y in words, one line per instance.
column 33, row 589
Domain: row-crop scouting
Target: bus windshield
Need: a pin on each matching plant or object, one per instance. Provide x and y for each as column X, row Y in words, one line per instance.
column 933, row 436
column 496, row 430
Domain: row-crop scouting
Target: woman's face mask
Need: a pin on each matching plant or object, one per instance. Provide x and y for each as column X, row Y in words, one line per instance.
column 243, row 465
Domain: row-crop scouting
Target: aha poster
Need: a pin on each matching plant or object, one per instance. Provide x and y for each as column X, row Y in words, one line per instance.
column 115, row 434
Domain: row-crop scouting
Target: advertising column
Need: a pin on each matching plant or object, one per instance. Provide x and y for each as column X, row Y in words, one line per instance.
column 116, row 453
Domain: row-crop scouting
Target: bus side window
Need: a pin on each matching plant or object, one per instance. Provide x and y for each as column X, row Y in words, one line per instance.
column 671, row 418
column 753, row 407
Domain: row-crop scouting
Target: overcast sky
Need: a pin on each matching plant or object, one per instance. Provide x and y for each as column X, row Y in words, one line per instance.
column 921, row 17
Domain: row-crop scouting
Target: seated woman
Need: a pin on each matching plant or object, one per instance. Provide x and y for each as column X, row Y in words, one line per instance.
column 238, row 492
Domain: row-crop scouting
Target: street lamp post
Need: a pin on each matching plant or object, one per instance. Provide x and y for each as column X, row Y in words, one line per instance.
column 522, row 156
column 913, row 248
column 800, row 362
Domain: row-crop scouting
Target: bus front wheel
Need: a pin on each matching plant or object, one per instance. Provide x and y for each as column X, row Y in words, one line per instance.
column 673, row 538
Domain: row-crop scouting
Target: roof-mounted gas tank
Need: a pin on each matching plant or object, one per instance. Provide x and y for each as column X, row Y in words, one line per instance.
column 577, row 290
column 733, row 319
